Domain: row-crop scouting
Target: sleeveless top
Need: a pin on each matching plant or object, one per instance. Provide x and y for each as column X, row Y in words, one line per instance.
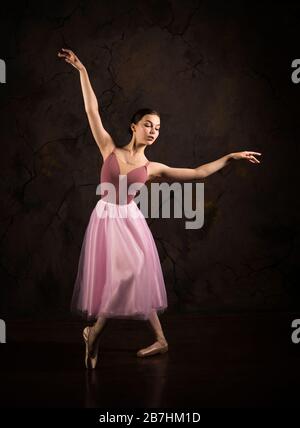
column 110, row 173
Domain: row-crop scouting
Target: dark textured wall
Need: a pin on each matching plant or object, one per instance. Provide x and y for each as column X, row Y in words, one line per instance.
column 221, row 77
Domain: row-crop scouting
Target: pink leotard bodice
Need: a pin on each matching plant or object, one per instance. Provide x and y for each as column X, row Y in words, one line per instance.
column 110, row 172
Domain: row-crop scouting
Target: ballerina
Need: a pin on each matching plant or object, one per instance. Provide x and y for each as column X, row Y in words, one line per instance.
column 119, row 271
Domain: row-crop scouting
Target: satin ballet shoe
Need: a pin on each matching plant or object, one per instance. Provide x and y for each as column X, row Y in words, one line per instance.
column 159, row 347
column 91, row 356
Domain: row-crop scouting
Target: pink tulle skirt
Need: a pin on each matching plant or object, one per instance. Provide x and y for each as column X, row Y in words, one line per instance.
column 119, row 272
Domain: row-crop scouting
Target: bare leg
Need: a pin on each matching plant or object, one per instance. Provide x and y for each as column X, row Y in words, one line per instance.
column 156, row 326
column 161, row 345
column 91, row 339
column 96, row 330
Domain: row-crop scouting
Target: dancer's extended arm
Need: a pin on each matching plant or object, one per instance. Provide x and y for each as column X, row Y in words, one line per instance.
column 202, row 171
column 101, row 136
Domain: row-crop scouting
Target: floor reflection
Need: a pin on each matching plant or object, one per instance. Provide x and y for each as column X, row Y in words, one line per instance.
column 144, row 386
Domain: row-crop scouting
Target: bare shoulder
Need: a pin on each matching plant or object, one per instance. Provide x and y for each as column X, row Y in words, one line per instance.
column 156, row 169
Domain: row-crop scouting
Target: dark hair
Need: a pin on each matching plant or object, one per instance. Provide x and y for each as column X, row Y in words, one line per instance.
column 139, row 114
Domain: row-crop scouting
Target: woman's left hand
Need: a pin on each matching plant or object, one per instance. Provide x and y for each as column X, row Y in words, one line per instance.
column 250, row 156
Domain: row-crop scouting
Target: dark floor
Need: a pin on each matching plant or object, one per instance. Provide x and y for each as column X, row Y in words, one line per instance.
column 213, row 361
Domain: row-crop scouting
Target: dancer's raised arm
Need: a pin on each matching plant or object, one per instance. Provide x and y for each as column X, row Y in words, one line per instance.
column 101, row 136
column 202, row 171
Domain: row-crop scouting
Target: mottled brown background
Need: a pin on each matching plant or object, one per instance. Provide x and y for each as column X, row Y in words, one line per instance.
column 221, row 77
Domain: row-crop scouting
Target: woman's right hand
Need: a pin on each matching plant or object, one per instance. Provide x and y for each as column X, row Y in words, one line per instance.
column 71, row 58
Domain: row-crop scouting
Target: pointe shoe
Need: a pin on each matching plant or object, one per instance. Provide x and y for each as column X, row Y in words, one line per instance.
column 91, row 356
column 159, row 347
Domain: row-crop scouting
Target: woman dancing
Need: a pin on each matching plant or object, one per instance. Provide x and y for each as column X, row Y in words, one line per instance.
column 119, row 272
